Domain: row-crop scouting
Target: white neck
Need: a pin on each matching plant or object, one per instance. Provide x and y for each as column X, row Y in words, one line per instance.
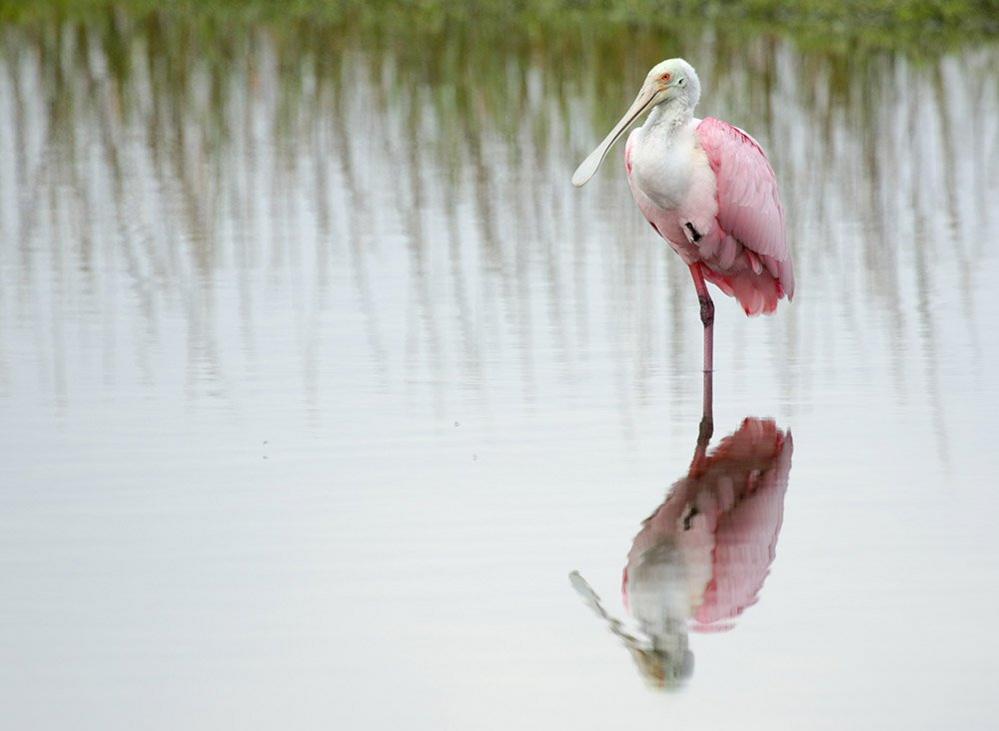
column 669, row 116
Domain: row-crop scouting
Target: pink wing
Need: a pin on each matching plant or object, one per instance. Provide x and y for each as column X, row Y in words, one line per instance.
column 749, row 206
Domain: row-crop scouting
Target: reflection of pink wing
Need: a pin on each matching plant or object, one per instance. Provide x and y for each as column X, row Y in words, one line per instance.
column 756, row 459
column 722, row 520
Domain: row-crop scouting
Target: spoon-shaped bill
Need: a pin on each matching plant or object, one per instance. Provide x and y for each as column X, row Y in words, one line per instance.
column 589, row 166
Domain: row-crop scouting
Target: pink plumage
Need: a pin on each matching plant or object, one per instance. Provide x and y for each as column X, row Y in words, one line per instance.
column 718, row 527
column 733, row 230
column 750, row 218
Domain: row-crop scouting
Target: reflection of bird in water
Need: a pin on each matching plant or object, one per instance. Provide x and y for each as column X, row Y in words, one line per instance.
column 708, row 190
column 701, row 558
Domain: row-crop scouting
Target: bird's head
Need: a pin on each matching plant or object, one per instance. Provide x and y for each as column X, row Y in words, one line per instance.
column 663, row 670
column 672, row 80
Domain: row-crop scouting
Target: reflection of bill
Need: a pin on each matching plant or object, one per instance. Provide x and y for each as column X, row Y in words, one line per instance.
column 701, row 558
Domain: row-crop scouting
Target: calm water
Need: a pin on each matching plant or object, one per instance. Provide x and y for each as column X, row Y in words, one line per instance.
column 317, row 379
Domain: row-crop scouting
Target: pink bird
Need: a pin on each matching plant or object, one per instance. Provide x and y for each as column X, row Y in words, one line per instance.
column 702, row 557
column 708, row 189
column 723, row 519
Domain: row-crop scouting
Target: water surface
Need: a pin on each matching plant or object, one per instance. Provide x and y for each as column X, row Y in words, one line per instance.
column 317, row 378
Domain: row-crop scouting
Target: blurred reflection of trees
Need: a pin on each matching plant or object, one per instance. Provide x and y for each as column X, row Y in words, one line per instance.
column 144, row 165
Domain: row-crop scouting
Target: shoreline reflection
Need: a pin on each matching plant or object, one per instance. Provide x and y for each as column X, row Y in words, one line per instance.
column 158, row 199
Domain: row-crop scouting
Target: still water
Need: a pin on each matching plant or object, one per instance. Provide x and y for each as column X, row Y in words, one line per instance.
column 317, row 380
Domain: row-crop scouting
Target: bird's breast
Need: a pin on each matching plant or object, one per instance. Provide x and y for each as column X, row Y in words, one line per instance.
column 663, row 166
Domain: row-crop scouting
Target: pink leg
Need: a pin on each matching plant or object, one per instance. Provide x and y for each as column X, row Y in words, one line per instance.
column 707, row 315
column 707, row 416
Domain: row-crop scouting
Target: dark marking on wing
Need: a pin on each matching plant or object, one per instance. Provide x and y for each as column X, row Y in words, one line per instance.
column 694, row 233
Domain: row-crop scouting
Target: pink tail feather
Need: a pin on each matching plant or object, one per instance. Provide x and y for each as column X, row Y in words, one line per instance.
column 756, row 292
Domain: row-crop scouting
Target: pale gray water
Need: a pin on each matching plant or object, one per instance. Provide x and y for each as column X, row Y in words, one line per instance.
column 317, row 379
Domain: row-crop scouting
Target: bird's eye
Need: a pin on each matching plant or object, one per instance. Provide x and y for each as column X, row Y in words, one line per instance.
column 667, row 77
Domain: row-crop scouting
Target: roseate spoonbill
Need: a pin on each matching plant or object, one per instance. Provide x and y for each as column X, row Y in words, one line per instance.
column 701, row 558
column 708, row 189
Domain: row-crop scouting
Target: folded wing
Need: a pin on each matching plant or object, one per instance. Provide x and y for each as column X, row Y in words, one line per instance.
column 749, row 207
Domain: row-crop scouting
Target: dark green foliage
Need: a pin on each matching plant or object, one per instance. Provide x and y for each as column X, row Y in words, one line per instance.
column 886, row 23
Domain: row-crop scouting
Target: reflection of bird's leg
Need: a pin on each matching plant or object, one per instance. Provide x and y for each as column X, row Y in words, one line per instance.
column 707, row 418
column 707, row 426
column 707, row 314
